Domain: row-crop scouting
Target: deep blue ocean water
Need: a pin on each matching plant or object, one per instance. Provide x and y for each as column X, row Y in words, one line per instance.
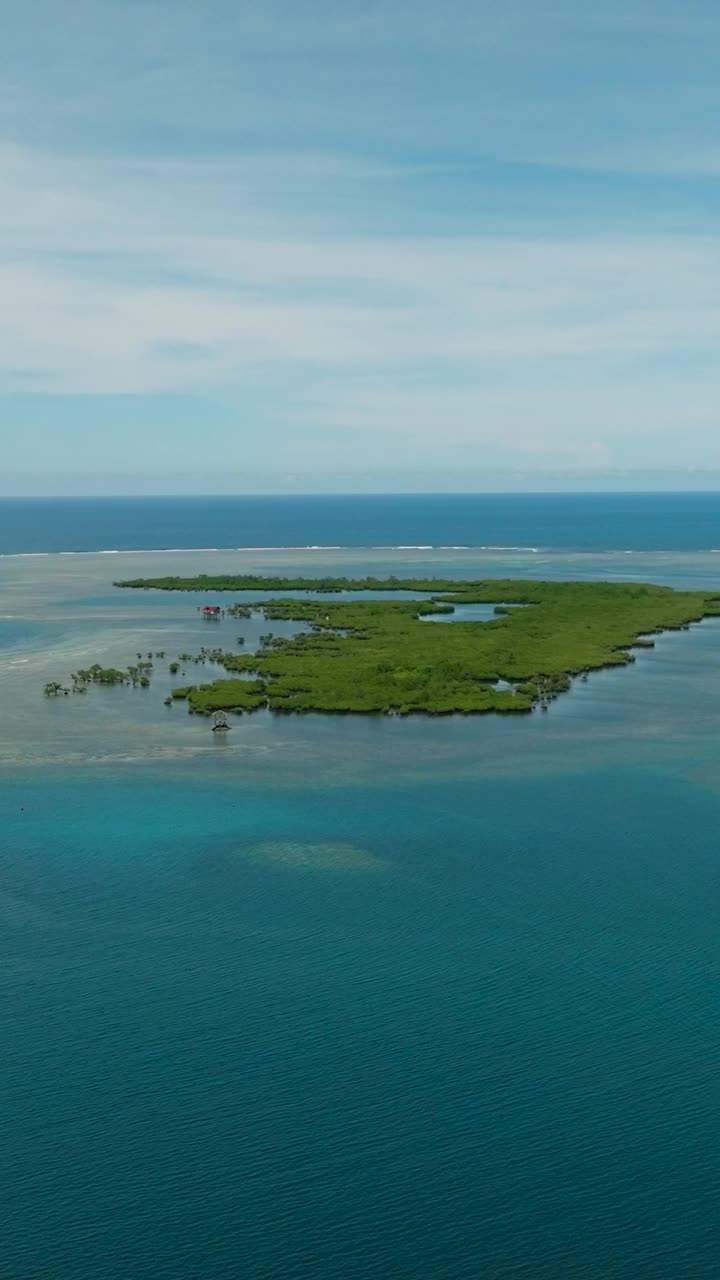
column 580, row 522
column 494, row 1054
column 338, row 998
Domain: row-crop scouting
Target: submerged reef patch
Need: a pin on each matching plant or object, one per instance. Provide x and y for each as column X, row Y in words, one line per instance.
column 313, row 856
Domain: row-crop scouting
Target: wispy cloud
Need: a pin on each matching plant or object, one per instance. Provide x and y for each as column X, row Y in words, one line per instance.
column 485, row 229
column 111, row 279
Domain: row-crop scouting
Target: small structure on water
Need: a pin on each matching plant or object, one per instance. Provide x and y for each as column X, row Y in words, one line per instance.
column 211, row 611
column 220, row 722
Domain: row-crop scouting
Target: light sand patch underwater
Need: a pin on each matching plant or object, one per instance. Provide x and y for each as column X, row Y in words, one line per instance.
column 302, row 856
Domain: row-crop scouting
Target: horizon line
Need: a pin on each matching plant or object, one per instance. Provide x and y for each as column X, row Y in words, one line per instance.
column 360, row 493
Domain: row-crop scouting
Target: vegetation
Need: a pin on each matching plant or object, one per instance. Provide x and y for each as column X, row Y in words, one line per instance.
column 104, row 675
column 97, row 674
column 224, row 695
column 380, row 656
column 255, row 582
column 137, row 674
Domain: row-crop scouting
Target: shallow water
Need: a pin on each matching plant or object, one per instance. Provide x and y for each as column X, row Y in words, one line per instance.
column 354, row 997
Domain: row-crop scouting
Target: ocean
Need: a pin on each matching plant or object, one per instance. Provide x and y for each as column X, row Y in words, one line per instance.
column 337, row 998
column 560, row 522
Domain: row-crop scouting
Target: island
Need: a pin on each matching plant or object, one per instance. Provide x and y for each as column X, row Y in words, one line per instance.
column 384, row 655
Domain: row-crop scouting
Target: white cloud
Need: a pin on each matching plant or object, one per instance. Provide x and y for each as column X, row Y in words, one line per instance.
column 290, row 209
column 118, row 278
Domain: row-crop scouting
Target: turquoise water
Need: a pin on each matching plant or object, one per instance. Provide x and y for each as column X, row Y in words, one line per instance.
column 467, row 613
column 353, row 997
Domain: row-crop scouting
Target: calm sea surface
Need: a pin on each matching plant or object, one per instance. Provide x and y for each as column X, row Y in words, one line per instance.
column 560, row 522
column 340, row 998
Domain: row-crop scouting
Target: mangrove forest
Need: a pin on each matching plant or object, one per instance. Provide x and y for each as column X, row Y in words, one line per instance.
column 381, row 656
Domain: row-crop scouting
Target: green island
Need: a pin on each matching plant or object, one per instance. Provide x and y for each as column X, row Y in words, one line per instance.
column 379, row 656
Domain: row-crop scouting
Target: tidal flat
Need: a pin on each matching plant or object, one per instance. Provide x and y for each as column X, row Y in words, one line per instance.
column 62, row 612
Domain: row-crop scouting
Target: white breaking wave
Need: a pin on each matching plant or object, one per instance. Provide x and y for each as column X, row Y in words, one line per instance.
column 421, row 546
column 168, row 551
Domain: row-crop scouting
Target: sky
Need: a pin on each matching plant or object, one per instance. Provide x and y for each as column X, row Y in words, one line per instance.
column 300, row 246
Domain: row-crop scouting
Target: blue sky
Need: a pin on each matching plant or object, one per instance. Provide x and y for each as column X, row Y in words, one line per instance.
column 299, row 246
